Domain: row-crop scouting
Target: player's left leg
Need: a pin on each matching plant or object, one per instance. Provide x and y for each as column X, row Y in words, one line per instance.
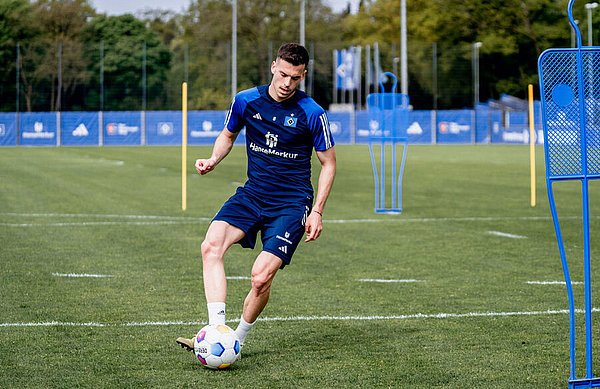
column 283, row 228
column 263, row 271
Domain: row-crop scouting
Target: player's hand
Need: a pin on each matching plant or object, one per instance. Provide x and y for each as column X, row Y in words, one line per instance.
column 313, row 226
column 204, row 166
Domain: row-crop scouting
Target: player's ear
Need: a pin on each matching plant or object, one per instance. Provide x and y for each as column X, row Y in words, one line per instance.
column 273, row 67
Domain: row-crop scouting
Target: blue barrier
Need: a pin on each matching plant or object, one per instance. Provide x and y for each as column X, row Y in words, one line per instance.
column 79, row 129
column 122, row 128
column 340, row 124
column 164, row 127
column 418, row 131
column 205, row 126
column 482, row 123
column 419, row 127
column 454, row 126
column 515, row 129
column 38, row 129
column 8, row 129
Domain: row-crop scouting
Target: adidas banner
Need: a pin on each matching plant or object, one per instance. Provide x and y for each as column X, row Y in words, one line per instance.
column 79, row 128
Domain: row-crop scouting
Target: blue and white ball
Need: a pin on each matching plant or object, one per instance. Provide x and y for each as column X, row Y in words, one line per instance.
column 216, row 346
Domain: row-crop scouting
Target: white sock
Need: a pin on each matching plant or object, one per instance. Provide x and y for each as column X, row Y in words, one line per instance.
column 216, row 313
column 243, row 328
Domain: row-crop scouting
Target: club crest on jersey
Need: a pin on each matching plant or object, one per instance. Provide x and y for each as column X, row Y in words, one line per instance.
column 271, row 139
column 290, row 121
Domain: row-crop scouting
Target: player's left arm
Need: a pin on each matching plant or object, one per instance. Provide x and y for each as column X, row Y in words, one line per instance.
column 314, row 222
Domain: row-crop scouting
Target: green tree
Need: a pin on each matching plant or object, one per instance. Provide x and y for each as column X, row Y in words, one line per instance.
column 17, row 27
column 263, row 25
column 123, row 38
column 513, row 34
column 63, row 22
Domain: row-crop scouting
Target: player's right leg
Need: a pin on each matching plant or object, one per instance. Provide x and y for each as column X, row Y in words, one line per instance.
column 219, row 238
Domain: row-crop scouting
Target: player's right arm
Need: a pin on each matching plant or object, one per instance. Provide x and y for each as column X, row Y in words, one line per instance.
column 221, row 148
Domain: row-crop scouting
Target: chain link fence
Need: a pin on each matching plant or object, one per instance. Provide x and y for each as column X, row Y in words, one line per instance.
column 68, row 76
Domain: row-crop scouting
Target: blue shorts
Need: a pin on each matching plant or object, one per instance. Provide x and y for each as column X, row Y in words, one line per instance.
column 281, row 225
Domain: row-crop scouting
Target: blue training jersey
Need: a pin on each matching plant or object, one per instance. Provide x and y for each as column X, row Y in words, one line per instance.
column 280, row 137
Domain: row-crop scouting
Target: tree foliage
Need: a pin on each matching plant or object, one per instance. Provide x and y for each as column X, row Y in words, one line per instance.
column 124, row 39
column 513, row 34
column 197, row 44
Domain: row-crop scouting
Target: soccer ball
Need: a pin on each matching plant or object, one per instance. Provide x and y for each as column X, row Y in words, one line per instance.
column 216, row 346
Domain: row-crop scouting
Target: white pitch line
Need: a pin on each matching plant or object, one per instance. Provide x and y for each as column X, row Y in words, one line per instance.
column 238, row 278
column 553, row 283
column 306, row 318
column 382, row 280
column 451, row 219
column 82, row 275
column 107, row 216
column 164, row 220
column 87, row 224
column 52, row 324
column 506, row 235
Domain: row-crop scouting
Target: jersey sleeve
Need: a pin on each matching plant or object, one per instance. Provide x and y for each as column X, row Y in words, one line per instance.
column 321, row 132
column 234, row 120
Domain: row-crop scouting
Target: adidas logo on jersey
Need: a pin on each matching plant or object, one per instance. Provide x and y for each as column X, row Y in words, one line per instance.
column 257, row 116
column 283, row 248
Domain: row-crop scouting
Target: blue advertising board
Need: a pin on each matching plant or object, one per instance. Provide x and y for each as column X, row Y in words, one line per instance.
column 8, row 129
column 205, row 126
column 419, row 126
column 515, row 128
column 38, row 128
column 418, row 131
column 483, row 116
column 454, row 126
column 122, row 128
column 340, row 126
column 79, row 129
column 163, row 127
column 364, row 126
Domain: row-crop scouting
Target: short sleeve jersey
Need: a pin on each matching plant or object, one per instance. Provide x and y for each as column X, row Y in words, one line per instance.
column 280, row 137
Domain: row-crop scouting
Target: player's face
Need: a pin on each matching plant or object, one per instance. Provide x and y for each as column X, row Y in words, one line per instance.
column 286, row 78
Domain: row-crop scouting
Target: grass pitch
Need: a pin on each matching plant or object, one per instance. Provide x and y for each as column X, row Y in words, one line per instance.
column 467, row 234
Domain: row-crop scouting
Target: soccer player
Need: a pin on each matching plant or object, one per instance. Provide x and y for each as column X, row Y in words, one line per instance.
column 283, row 126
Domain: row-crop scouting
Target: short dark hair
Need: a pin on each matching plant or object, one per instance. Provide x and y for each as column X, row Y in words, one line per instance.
column 293, row 53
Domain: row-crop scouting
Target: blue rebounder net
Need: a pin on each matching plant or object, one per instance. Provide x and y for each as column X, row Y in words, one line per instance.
column 571, row 120
column 388, row 122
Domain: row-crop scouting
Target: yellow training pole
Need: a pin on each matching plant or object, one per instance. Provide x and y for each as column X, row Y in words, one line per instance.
column 532, row 145
column 184, row 146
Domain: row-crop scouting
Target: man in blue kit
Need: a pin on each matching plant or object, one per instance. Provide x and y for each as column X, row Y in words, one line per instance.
column 283, row 125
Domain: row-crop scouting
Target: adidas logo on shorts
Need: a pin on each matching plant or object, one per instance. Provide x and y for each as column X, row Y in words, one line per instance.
column 283, row 248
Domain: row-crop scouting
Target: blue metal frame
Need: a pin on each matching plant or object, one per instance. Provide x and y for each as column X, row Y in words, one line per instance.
column 570, row 111
column 390, row 110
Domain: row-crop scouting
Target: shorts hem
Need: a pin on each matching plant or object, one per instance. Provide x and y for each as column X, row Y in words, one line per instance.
column 244, row 242
column 284, row 261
